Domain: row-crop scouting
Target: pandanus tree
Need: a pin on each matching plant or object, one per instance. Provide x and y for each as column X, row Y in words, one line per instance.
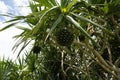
column 73, row 39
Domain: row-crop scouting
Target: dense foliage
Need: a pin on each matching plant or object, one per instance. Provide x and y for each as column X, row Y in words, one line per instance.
column 73, row 40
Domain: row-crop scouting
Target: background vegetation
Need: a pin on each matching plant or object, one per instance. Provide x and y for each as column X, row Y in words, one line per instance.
column 73, row 40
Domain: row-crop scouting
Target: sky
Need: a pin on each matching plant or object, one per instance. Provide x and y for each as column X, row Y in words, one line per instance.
column 16, row 7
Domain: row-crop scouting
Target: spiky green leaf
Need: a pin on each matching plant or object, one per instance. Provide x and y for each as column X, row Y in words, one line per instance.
column 8, row 26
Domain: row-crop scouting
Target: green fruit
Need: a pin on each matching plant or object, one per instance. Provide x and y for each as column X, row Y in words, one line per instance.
column 64, row 37
column 36, row 49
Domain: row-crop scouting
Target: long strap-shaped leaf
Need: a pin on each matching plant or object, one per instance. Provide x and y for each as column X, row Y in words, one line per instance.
column 44, row 3
column 39, row 24
column 87, row 20
column 55, row 24
column 53, row 2
column 53, row 8
column 79, row 27
column 8, row 26
column 71, row 4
